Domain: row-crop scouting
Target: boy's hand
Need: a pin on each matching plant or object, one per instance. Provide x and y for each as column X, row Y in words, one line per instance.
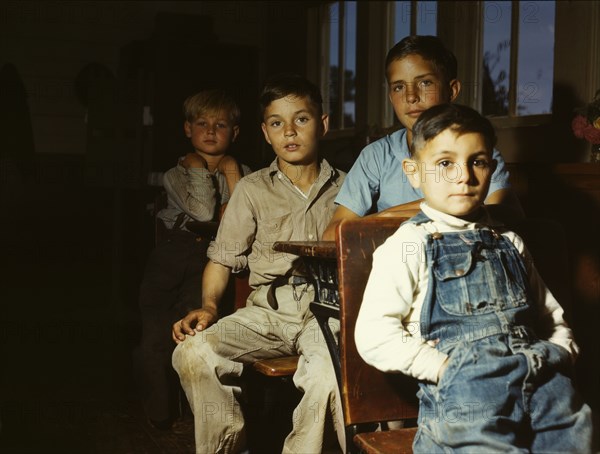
column 229, row 167
column 228, row 164
column 194, row 321
column 193, row 161
column 443, row 368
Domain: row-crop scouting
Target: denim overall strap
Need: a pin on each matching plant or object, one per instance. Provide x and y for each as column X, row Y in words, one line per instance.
column 418, row 218
column 477, row 288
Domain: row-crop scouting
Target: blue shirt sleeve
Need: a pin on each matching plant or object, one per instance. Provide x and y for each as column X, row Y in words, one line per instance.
column 500, row 177
column 361, row 186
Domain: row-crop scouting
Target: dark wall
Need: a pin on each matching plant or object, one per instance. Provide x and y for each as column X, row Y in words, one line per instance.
column 78, row 224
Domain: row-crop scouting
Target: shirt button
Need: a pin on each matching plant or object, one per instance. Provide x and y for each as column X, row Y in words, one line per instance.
column 279, row 175
column 310, row 236
column 459, row 272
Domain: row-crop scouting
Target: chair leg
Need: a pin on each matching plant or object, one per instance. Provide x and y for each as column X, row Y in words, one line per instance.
column 352, row 430
column 268, row 411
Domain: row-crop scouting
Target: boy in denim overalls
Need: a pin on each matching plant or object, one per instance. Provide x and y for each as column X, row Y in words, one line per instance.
column 455, row 301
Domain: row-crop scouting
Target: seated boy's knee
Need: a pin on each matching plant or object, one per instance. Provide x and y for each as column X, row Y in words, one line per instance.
column 320, row 375
column 189, row 357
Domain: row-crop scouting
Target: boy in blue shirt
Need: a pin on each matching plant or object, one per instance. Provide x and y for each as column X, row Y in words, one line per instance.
column 455, row 301
column 420, row 73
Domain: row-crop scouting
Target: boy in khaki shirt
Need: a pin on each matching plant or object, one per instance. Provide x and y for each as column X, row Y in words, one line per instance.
column 290, row 200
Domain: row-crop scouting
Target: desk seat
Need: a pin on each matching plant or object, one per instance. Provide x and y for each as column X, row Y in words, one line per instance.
column 396, row 441
column 277, row 367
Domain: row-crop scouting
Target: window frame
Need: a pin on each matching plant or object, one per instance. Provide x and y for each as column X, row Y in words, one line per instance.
column 324, row 68
column 459, row 26
column 512, row 120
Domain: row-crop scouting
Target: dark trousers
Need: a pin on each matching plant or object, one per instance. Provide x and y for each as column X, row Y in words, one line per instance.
column 172, row 286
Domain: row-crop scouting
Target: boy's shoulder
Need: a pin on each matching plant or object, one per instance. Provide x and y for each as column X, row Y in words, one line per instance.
column 388, row 145
column 409, row 231
column 392, row 138
column 246, row 170
column 175, row 169
column 266, row 174
column 330, row 170
column 175, row 173
column 261, row 174
column 406, row 243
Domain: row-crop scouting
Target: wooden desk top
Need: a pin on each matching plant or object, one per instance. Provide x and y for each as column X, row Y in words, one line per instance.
column 321, row 249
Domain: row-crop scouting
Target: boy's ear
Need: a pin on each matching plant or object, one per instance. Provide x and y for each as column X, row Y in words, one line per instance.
column 454, row 89
column 236, row 131
column 411, row 170
column 187, row 127
column 263, row 126
column 324, row 124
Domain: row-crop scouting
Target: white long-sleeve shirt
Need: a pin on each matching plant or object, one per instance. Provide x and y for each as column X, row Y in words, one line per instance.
column 387, row 330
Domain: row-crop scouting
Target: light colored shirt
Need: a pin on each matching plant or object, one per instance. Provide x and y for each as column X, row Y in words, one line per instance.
column 194, row 191
column 266, row 207
column 387, row 330
column 376, row 180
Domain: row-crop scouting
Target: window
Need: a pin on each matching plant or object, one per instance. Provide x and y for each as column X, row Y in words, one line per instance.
column 517, row 79
column 422, row 23
column 405, row 23
column 338, row 74
column 505, row 51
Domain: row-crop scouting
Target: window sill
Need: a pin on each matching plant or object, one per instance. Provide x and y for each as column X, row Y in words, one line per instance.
column 520, row 122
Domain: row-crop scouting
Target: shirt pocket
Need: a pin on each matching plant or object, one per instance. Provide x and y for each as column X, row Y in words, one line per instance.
column 274, row 229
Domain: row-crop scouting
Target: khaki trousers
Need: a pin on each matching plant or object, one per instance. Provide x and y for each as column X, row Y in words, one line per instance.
column 210, row 363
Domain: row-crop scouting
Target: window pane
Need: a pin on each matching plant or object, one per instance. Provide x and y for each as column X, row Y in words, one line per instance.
column 535, row 73
column 496, row 57
column 334, row 24
column 401, row 20
column 427, row 18
column 350, row 63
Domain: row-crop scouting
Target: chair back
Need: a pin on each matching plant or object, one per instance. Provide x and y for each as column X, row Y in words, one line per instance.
column 368, row 395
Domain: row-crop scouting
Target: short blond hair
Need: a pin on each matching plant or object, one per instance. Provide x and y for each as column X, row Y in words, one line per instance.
column 211, row 102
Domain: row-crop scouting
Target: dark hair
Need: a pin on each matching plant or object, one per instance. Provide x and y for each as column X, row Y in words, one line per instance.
column 288, row 84
column 208, row 102
column 456, row 117
column 430, row 48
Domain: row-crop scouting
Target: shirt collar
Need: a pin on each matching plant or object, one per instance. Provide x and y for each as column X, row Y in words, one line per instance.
column 326, row 171
column 456, row 223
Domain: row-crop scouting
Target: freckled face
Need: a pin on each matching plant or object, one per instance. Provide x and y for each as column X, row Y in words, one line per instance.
column 293, row 127
column 211, row 134
column 415, row 85
column 453, row 171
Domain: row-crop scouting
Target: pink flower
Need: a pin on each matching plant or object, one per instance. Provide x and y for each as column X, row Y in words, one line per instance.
column 584, row 130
